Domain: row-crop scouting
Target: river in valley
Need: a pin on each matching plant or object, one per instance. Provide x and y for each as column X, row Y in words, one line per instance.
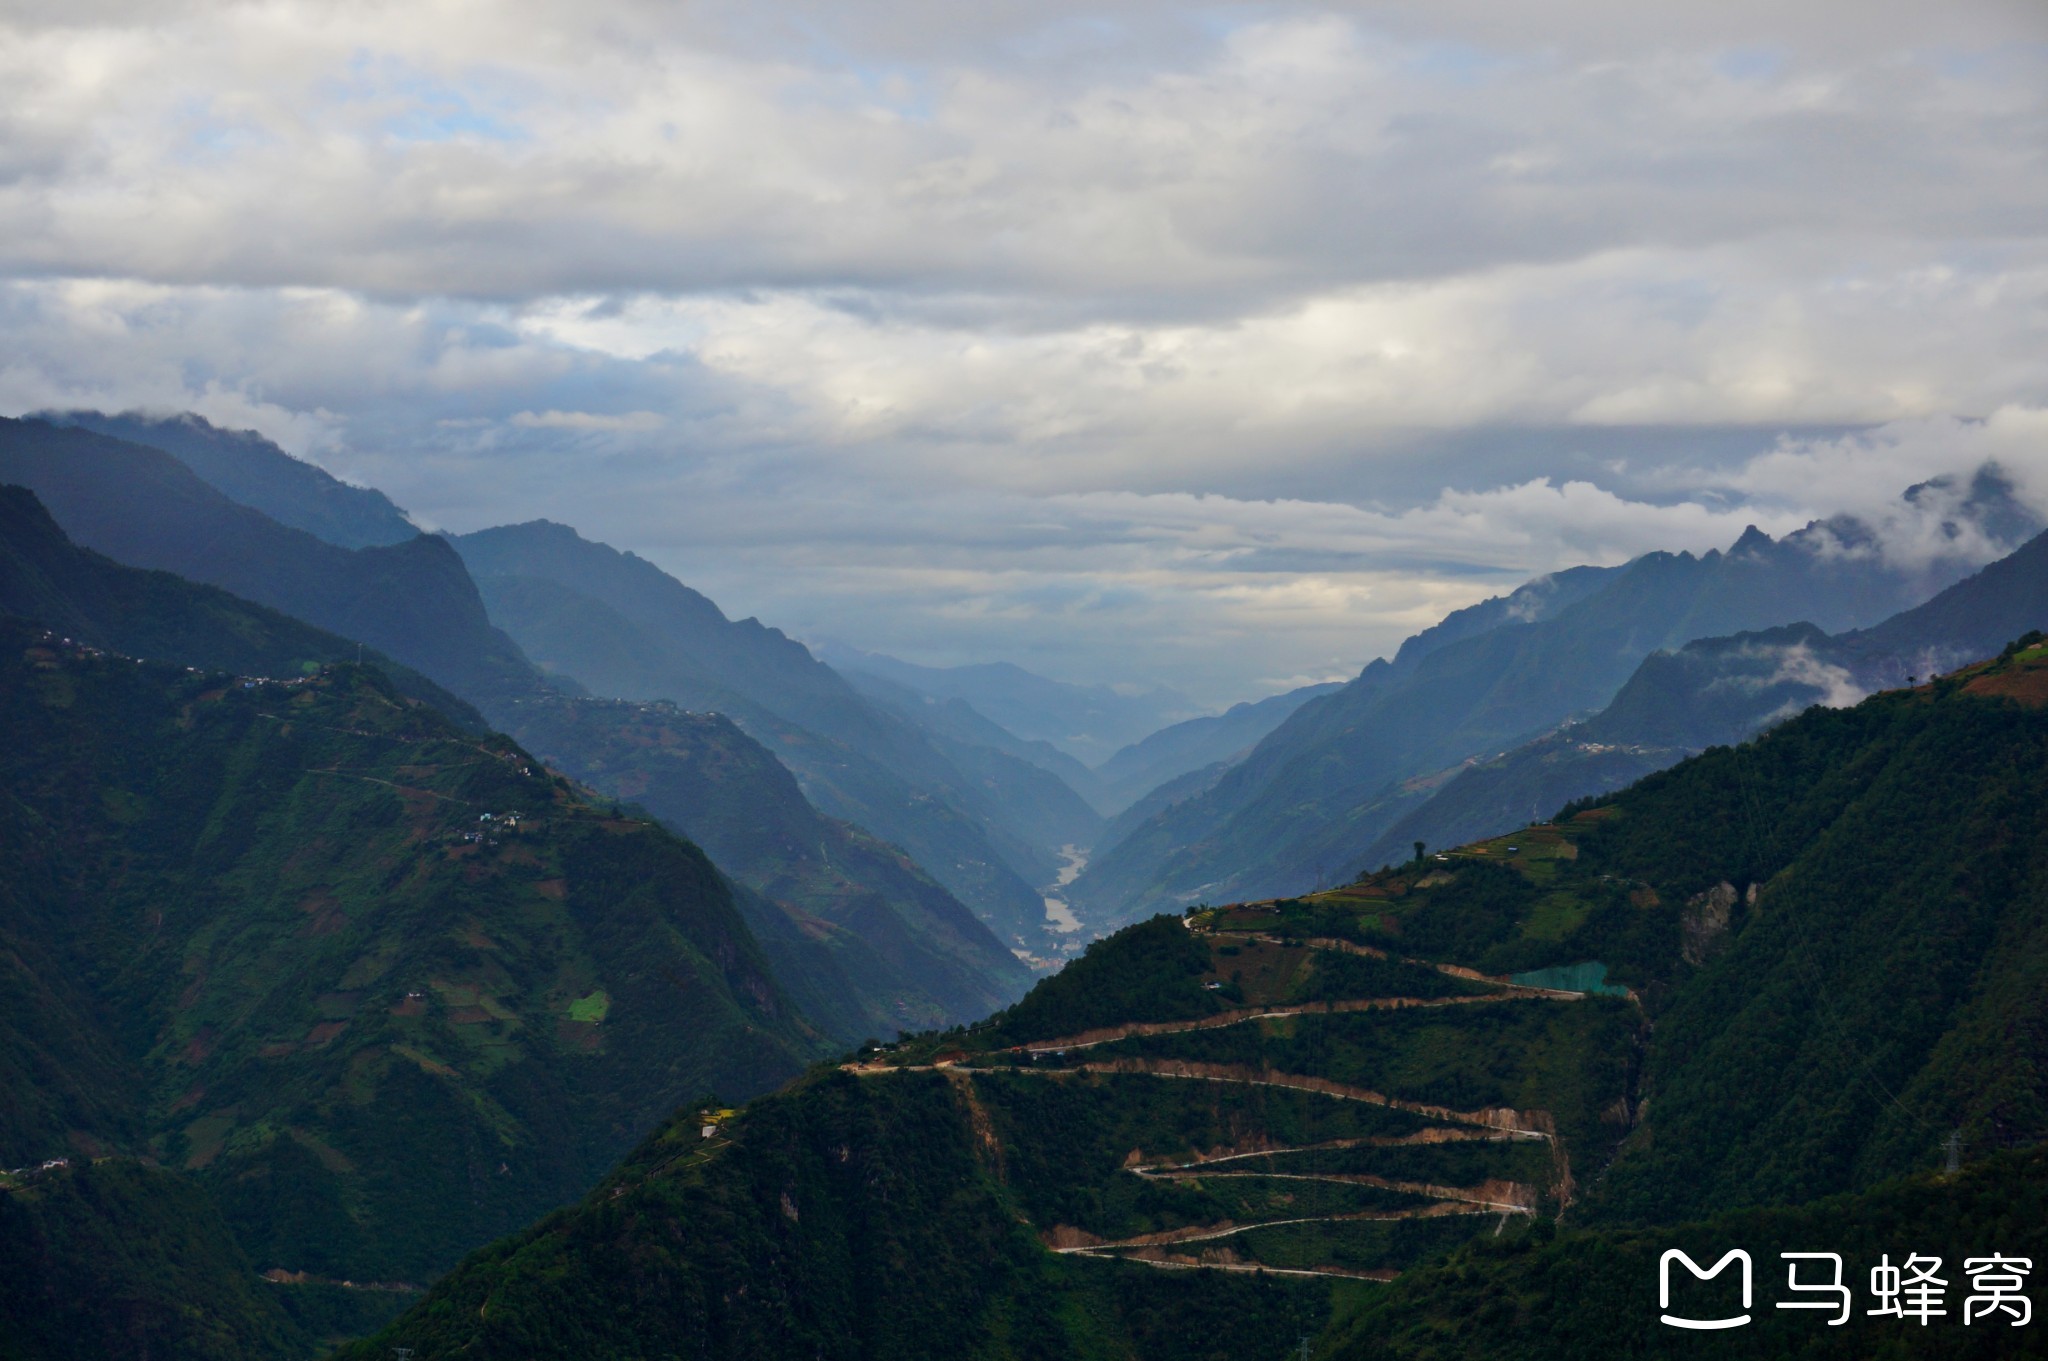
column 1058, row 916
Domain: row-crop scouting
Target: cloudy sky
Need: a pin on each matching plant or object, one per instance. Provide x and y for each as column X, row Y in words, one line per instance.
column 1215, row 345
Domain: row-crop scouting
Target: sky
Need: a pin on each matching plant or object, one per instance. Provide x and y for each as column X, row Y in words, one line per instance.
column 1214, row 346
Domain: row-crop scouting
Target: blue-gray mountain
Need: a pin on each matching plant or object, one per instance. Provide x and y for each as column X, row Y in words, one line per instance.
column 1716, row 691
column 143, row 507
column 248, row 468
column 417, row 601
column 1143, row 766
column 956, row 720
column 1344, row 768
column 1088, row 722
column 625, row 629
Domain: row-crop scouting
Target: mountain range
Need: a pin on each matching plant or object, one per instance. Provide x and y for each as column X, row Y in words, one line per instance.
column 1088, row 722
column 143, row 507
column 1345, row 767
column 1196, row 744
column 1455, row 1108
column 313, row 974
column 418, row 599
column 89, row 597
column 1717, row 691
column 624, row 629
column 249, row 469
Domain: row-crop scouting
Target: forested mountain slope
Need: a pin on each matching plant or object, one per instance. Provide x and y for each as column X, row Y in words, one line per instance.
column 140, row 506
column 869, row 1000
column 627, row 630
column 1772, row 974
column 923, row 960
column 867, row 943
column 114, row 1258
column 1342, row 769
column 384, row 988
column 46, row 578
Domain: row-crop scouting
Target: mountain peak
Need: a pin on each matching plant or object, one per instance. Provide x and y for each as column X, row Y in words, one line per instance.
column 246, row 467
column 1753, row 540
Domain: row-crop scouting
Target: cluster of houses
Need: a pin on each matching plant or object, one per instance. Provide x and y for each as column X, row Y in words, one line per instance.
column 488, row 824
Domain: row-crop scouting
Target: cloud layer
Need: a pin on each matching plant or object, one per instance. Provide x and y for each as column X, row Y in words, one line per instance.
column 1137, row 341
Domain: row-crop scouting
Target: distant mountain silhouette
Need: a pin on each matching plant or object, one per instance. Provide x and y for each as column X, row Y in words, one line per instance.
column 46, row 578
column 244, row 466
column 1173, row 751
column 625, row 629
column 1055, row 796
column 1088, row 722
column 1344, row 768
column 141, row 506
column 1716, row 691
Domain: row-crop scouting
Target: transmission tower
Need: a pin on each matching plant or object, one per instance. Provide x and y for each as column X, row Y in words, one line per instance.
column 1954, row 1145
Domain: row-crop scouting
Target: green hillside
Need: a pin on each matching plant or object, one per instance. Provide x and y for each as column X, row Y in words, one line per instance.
column 1770, row 975
column 93, row 599
column 867, row 943
column 119, row 1259
column 383, row 988
column 1563, row 1296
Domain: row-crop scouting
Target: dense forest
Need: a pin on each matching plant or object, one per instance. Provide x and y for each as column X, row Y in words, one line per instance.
column 371, row 987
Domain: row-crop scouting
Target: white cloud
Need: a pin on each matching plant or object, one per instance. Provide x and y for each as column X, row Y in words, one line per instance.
column 1836, row 688
column 628, row 421
column 1089, row 334
column 1225, row 160
column 1633, row 338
